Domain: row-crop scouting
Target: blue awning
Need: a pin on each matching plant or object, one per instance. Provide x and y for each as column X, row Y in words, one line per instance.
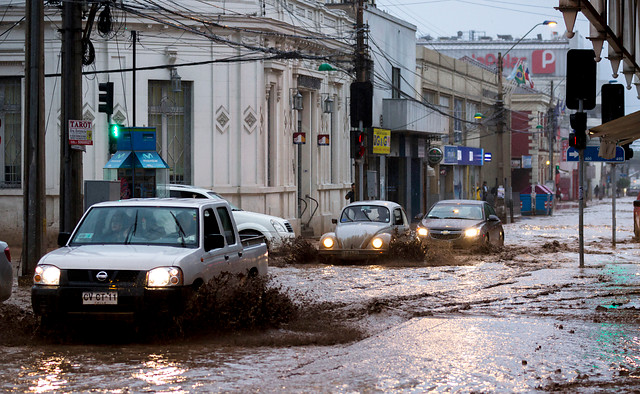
column 119, row 160
column 150, row 159
column 144, row 159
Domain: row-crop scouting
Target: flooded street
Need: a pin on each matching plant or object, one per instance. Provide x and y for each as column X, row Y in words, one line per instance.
column 522, row 319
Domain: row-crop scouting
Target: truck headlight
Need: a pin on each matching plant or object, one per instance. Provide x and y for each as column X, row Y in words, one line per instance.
column 377, row 243
column 422, row 232
column 278, row 226
column 48, row 275
column 164, row 277
column 471, row 232
column 327, row 243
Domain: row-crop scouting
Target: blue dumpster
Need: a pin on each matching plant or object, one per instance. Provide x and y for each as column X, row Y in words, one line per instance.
column 525, row 204
column 543, row 201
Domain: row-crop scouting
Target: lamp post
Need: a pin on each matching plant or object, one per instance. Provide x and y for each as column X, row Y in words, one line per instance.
column 505, row 157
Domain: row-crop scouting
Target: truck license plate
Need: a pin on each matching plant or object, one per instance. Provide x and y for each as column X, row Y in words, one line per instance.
column 100, row 298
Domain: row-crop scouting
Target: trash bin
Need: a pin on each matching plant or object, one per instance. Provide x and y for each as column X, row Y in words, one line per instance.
column 525, row 204
column 543, row 204
column 636, row 217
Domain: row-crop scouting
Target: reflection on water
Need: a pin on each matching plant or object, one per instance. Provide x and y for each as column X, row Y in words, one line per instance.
column 49, row 376
column 160, row 371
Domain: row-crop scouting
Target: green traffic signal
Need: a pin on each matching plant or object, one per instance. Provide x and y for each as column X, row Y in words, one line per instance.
column 114, row 132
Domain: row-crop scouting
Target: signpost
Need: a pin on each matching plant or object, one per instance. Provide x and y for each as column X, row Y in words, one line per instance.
column 591, row 153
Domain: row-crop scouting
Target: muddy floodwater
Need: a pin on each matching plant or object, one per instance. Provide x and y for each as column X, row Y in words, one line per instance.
column 525, row 318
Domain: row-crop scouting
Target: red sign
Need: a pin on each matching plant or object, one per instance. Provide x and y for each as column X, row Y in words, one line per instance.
column 543, row 61
column 323, row 139
column 299, row 138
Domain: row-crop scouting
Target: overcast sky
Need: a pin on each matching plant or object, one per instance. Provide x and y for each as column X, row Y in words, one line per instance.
column 445, row 18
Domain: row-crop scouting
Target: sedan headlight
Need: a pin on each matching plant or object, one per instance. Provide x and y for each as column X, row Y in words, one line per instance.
column 164, row 277
column 48, row 275
column 422, row 232
column 278, row 226
column 377, row 243
column 328, row 243
column 471, row 232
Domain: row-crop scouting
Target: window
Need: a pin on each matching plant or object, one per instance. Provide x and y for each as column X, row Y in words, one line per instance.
column 227, row 225
column 170, row 114
column 10, row 133
column 429, row 96
column 395, row 82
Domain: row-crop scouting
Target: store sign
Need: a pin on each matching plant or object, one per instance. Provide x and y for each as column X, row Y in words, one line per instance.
column 80, row 132
column 323, row 139
column 381, row 141
column 299, row 138
column 434, row 156
column 463, row 155
column 526, row 161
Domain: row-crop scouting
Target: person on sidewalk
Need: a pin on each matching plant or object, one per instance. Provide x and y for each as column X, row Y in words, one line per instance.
column 351, row 194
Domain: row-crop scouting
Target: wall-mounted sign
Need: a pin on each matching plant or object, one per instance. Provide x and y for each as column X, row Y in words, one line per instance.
column 323, row 139
column 299, row 138
column 526, row 161
column 463, row 155
column 80, row 132
column 381, row 141
column 487, row 156
column 434, row 156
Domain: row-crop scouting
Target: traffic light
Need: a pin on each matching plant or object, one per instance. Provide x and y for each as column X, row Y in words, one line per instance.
column 362, row 146
column 105, row 97
column 114, row 133
column 361, row 104
column 578, row 138
column 581, row 78
column 628, row 152
column 612, row 102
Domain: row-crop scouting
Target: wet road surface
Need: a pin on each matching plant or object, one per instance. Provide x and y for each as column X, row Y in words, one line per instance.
column 522, row 319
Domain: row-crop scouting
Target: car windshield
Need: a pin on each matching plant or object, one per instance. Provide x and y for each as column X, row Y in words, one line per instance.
column 455, row 211
column 365, row 213
column 170, row 226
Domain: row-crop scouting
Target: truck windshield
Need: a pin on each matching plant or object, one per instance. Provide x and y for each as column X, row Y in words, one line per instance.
column 169, row 226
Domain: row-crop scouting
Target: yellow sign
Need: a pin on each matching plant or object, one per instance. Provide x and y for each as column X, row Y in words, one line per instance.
column 381, row 141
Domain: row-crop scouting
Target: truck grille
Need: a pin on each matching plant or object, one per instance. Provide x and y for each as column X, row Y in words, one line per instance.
column 113, row 276
column 288, row 226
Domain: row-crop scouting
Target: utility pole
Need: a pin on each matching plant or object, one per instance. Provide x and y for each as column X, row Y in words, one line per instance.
column 34, row 207
column 71, row 204
column 551, row 128
column 504, row 158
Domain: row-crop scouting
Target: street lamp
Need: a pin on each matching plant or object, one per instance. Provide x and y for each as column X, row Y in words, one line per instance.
column 505, row 156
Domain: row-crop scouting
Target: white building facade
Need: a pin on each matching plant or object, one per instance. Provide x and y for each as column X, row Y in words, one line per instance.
column 219, row 94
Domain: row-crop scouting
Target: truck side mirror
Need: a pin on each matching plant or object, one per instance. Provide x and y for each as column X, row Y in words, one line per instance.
column 213, row 241
column 63, row 238
column 334, row 221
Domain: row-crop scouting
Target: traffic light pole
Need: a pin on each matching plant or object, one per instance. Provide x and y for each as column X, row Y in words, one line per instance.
column 614, row 179
column 581, row 196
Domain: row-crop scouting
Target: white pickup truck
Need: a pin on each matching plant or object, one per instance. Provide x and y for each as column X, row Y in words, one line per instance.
column 142, row 256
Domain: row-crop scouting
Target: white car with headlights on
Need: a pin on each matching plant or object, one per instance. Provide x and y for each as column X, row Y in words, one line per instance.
column 365, row 230
column 142, row 257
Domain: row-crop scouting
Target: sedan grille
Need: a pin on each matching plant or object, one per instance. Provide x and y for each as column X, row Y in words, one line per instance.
column 445, row 235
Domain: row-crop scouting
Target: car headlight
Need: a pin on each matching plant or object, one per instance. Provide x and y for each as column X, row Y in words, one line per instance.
column 278, row 226
column 471, row 232
column 47, row 275
column 327, row 243
column 422, row 232
column 377, row 243
column 164, row 277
